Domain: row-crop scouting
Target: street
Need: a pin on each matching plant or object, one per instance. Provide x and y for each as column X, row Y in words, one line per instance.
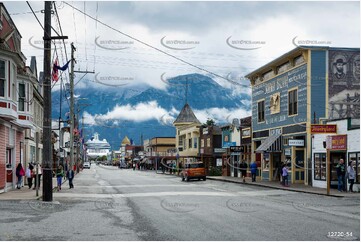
column 112, row 204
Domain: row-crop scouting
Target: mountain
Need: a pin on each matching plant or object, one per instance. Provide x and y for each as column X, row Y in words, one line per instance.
column 203, row 93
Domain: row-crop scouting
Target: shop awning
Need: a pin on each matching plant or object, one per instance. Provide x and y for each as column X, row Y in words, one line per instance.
column 271, row 144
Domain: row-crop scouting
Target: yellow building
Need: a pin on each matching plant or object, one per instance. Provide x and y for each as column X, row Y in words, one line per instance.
column 187, row 134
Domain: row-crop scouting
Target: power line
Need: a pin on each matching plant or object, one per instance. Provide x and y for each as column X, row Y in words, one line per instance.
column 152, row 47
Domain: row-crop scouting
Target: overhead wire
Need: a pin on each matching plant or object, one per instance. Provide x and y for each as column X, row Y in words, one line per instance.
column 153, row 47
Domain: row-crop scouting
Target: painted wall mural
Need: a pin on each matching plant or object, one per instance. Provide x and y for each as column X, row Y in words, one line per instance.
column 344, row 84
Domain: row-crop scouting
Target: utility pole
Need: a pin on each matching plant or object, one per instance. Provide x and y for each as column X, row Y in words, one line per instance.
column 47, row 144
column 72, row 122
column 72, row 108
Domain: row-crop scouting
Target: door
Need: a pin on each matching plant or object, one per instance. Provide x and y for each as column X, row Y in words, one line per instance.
column 235, row 165
column 276, row 166
column 335, row 158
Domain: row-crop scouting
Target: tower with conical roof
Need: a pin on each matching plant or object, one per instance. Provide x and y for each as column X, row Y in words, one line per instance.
column 187, row 133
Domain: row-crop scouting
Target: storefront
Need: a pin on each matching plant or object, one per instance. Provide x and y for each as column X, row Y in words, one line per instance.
column 333, row 146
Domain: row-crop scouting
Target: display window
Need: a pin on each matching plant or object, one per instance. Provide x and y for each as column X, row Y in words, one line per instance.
column 320, row 166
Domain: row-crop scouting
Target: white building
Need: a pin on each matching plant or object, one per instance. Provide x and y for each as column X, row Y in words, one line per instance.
column 345, row 144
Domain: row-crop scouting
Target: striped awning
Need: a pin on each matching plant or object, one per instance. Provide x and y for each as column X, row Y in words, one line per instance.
column 271, row 144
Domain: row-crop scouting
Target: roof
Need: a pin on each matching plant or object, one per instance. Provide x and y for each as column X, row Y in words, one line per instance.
column 186, row 116
column 126, row 141
column 296, row 51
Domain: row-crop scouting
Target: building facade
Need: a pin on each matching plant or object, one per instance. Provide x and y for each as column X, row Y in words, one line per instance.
column 18, row 98
column 305, row 86
column 337, row 139
column 211, row 146
column 187, row 135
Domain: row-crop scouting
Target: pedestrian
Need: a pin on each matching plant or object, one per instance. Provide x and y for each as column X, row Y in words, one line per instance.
column 243, row 168
column 59, row 176
column 340, row 169
column 38, row 176
column 253, row 167
column 19, row 174
column 29, row 173
column 70, row 176
column 350, row 175
column 285, row 175
column 133, row 166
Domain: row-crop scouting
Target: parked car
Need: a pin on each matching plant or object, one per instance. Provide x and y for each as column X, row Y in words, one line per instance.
column 194, row 170
column 86, row 165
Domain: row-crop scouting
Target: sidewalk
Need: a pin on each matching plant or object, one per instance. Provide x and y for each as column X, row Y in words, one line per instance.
column 25, row 193
column 276, row 185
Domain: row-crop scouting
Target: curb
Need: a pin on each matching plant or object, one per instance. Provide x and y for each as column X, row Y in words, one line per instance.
column 272, row 187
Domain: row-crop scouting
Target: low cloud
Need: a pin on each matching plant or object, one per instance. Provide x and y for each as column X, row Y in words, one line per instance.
column 143, row 112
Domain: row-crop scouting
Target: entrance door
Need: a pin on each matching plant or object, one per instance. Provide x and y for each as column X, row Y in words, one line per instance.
column 235, row 165
column 276, row 166
column 335, row 158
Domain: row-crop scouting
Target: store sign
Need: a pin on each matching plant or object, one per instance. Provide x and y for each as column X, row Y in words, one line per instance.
column 228, row 144
column 323, row 128
column 246, row 133
column 287, row 152
column 296, row 142
column 219, row 161
column 219, row 150
column 336, row 142
column 236, row 149
column 275, row 132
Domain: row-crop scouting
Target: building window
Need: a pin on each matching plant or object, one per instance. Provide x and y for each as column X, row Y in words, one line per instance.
column 180, row 142
column 202, row 143
column 355, row 158
column 2, row 78
column 320, row 166
column 195, row 143
column 209, row 142
column 21, row 97
column 275, row 101
column 261, row 111
column 292, row 102
column 8, row 158
column 190, row 143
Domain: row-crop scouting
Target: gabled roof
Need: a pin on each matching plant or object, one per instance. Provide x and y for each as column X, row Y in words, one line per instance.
column 186, row 116
column 126, row 141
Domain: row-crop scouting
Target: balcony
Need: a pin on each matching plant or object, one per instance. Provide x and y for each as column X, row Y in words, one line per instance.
column 8, row 110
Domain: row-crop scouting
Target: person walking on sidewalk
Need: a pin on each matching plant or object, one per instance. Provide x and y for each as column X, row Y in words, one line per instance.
column 253, row 167
column 243, row 168
column 29, row 173
column 19, row 174
column 350, row 175
column 285, row 175
column 340, row 168
column 38, row 176
column 70, row 176
column 59, row 176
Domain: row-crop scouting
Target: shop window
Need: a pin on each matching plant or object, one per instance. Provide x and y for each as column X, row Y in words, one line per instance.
column 320, row 166
column 300, row 157
column 265, row 162
column 8, row 158
column 355, row 158
column 292, row 102
column 261, row 111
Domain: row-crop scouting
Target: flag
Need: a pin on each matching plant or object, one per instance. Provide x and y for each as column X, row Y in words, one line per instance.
column 55, row 72
column 62, row 68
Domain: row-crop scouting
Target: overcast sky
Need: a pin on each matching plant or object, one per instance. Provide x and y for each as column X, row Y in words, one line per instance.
column 217, row 36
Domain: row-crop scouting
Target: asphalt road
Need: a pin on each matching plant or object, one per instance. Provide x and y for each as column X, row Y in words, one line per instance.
column 112, row 204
